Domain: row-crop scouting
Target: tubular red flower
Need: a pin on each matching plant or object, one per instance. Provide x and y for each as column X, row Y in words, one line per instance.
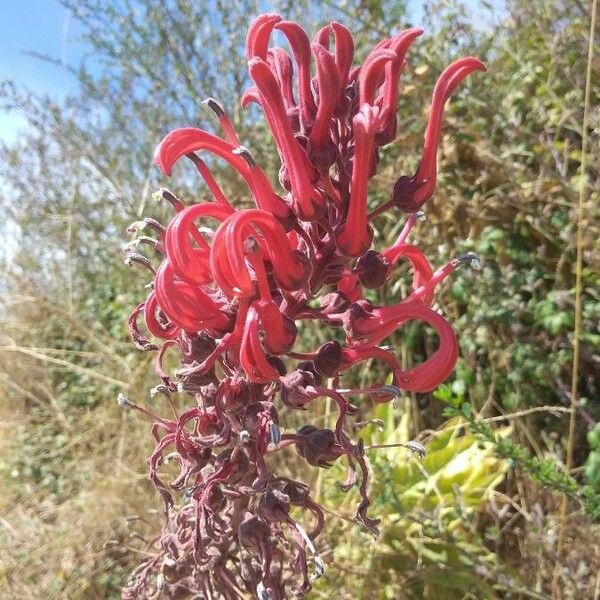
column 421, row 267
column 354, row 235
column 372, row 74
column 281, row 63
column 230, row 134
column 213, row 186
column 445, row 86
column 138, row 339
column 183, row 142
column 189, row 262
column 308, row 201
column 186, row 306
column 259, row 33
column 257, row 45
column 386, row 320
column 351, row 356
column 266, row 199
column 253, row 358
column 250, row 96
column 344, row 47
column 427, row 287
column 400, row 45
column 411, row 194
column 155, row 327
column 300, row 45
column 227, row 256
column 280, row 331
column 329, row 86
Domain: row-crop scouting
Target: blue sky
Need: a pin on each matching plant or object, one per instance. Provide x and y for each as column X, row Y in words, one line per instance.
column 36, row 25
column 45, row 26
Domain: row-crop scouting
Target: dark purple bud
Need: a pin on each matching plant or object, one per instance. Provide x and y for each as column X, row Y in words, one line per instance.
column 334, row 302
column 318, row 446
column 310, row 373
column 197, row 347
column 297, row 492
column 328, row 359
column 356, row 314
column 254, row 532
column 274, row 506
column 293, row 387
column 279, row 365
column 372, row 269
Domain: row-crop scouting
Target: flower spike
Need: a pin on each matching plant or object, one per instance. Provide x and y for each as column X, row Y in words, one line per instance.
column 234, row 288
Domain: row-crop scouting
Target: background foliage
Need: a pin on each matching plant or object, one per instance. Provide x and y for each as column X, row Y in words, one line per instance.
column 477, row 518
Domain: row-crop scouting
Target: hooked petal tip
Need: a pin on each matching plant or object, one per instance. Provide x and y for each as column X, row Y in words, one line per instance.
column 245, row 154
column 471, row 258
column 259, row 32
column 214, row 106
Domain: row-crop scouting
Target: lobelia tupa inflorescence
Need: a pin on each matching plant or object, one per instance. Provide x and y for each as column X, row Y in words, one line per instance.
column 229, row 300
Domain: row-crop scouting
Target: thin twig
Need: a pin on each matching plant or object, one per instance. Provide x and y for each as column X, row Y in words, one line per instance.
column 553, row 410
column 66, row 364
column 578, row 290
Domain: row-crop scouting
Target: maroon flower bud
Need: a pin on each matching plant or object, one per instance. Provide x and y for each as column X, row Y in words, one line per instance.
column 296, row 491
column 274, row 506
column 294, row 383
column 277, row 364
column 334, row 302
column 328, row 359
column 356, row 317
column 372, row 269
column 253, row 532
column 311, row 375
column 318, row 446
column 197, row 347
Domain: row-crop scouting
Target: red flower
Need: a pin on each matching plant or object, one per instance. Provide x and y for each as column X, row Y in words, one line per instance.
column 411, row 193
column 354, row 234
column 232, row 287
